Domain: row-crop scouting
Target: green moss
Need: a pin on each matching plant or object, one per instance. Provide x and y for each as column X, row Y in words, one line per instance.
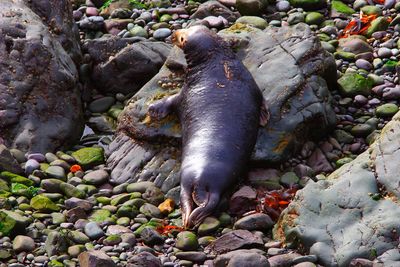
column 6, row 223
column 341, row 7
column 89, row 156
column 133, row 3
column 15, row 178
column 100, row 215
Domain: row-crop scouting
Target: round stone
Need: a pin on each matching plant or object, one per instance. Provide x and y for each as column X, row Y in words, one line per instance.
column 363, row 64
column 209, row 225
column 23, row 243
column 162, row 33
column 283, row 6
column 101, row 104
column 56, row 172
column 31, row 165
column 386, row 110
column 384, row 52
column 258, row 221
column 97, row 177
column 93, row 230
column 253, row 21
column 314, row 18
column 186, row 241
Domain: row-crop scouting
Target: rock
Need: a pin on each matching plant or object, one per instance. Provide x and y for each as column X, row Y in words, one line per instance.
column 351, row 84
column 349, row 202
column 43, row 204
column 78, row 237
column 251, row 7
column 314, row 18
column 56, row 172
column 340, row 7
column 132, row 161
column 74, row 202
column 95, row 258
column 75, row 250
column 257, row 221
column 55, row 244
column 186, row 241
column 151, row 237
column 8, row 162
column 242, row 257
column 102, row 104
column 117, row 230
column 192, row 256
column 93, row 230
column 161, row 34
column 372, row 10
column 132, row 63
column 23, row 243
column 138, row 32
column 243, row 200
column 354, row 44
column 139, row 187
column 295, row 18
column 153, row 195
column 97, row 177
column 253, row 21
column 71, row 191
column 45, row 63
column 167, row 206
column 216, row 9
column 89, row 156
column 234, row 240
column 150, row 210
column 144, row 259
column 209, row 225
column 363, row 64
column 112, row 240
column 378, row 24
column 283, row 260
column 283, row 5
column 386, row 110
column 100, row 216
column 308, row 4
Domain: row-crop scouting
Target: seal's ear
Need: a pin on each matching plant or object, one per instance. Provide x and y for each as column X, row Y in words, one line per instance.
column 264, row 114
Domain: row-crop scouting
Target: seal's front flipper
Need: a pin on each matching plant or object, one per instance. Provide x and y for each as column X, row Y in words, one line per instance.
column 264, row 114
column 161, row 108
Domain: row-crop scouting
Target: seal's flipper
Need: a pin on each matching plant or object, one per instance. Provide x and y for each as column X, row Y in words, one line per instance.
column 205, row 209
column 186, row 206
column 161, row 108
column 264, row 114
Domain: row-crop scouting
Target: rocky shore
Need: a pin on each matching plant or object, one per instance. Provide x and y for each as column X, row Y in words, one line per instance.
column 322, row 187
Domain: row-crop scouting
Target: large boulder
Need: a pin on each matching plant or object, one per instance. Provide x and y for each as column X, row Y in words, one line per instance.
column 288, row 65
column 124, row 64
column 40, row 106
column 354, row 212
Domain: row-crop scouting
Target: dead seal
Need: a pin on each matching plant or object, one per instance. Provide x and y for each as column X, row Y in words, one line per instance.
column 219, row 108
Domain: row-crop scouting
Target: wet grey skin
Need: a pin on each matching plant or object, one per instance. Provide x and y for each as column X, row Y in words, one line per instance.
column 219, row 108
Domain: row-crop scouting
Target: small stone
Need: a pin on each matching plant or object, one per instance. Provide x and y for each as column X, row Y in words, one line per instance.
column 194, row 256
column 55, row 244
column 117, row 230
column 386, row 110
column 253, row 21
column 102, row 104
column 95, row 258
column 31, row 165
column 89, row 156
column 289, row 179
column 314, row 18
column 153, row 195
column 93, row 230
column 187, row 241
column 139, row 187
column 295, row 18
column 138, row 31
column 151, row 237
column 351, row 84
column 112, row 240
column 43, row 204
column 162, row 33
column 363, row 64
column 75, row 250
column 167, row 206
column 56, row 172
column 384, row 52
column 341, row 7
column 258, row 221
column 78, row 237
column 150, row 211
column 248, row 258
column 283, row 6
column 23, row 243
column 144, row 259
column 97, row 177
column 209, row 225
column 100, row 215
column 362, row 130
column 378, row 24
column 71, row 191
column 372, row 10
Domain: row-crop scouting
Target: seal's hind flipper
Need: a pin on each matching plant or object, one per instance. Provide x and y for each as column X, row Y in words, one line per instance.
column 161, row 108
column 264, row 114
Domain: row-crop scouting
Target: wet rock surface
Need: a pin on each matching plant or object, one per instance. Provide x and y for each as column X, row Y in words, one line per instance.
column 39, row 90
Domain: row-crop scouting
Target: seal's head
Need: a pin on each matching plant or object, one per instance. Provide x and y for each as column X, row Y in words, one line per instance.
column 197, row 42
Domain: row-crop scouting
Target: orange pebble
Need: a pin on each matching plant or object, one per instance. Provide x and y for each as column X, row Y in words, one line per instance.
column 75, row 168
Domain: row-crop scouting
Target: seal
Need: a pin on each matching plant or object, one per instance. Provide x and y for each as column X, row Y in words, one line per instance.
column 219, row 108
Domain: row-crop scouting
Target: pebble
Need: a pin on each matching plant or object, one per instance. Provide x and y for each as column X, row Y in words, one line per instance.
column 97, row 177
column 162, row 33
column 23, row 243
column 283, row 6
column 93, row 230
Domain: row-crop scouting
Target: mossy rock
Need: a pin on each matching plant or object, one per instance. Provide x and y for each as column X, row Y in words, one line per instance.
column 100, row 215
column 309, row 4
column 43, row 204
column 7, row 223
column 89, row 156
column 15, row 178
column 378, row 24
column 341, row 7
column 352, row 84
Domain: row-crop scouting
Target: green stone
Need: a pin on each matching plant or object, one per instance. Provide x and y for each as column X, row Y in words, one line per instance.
column 341, row 7
column 56, row 172
column 323, row 37
column 4, row 186
column 55, row 263
column 386, row 110
column 209, row 225
column 352, row 84
column 206, row 240
column 308, row 4
column 78, row 237
column 43, row 204
column 165, row 18
column 289, row 179
column 342, row 161
column 138, row 31
column 103, row 200
column 362, row 130
column 89, row 156
column 344, row 55
column 187, row 241
column 343, row 137
column 378, row 24
column 328, row 47
column 314, row 18
column 225, row 219
column 7, row 223
column 127, row 211
column 15, row 178
column 123, row 221
column 119, row 199
column 71, row 191
column 5, row 254
column 87, row 188
column 58, row 218
column 371, row 10
column 100, row 215
column 24, row 206
column 254, row 21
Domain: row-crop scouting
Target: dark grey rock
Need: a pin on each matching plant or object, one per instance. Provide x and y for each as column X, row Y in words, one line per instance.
column 151, row 237
column 299, row 64
column 8, row 162
column 39, row 90
column 55, row 244
column 242, row 257
column 214, row 8
column 144, row 259
column 132, row 63
column 347, row 215
column 95, row 258
column 257, row 221
column 233, row 240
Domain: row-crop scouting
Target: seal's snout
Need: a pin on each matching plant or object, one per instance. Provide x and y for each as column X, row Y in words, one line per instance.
column 179, row 38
